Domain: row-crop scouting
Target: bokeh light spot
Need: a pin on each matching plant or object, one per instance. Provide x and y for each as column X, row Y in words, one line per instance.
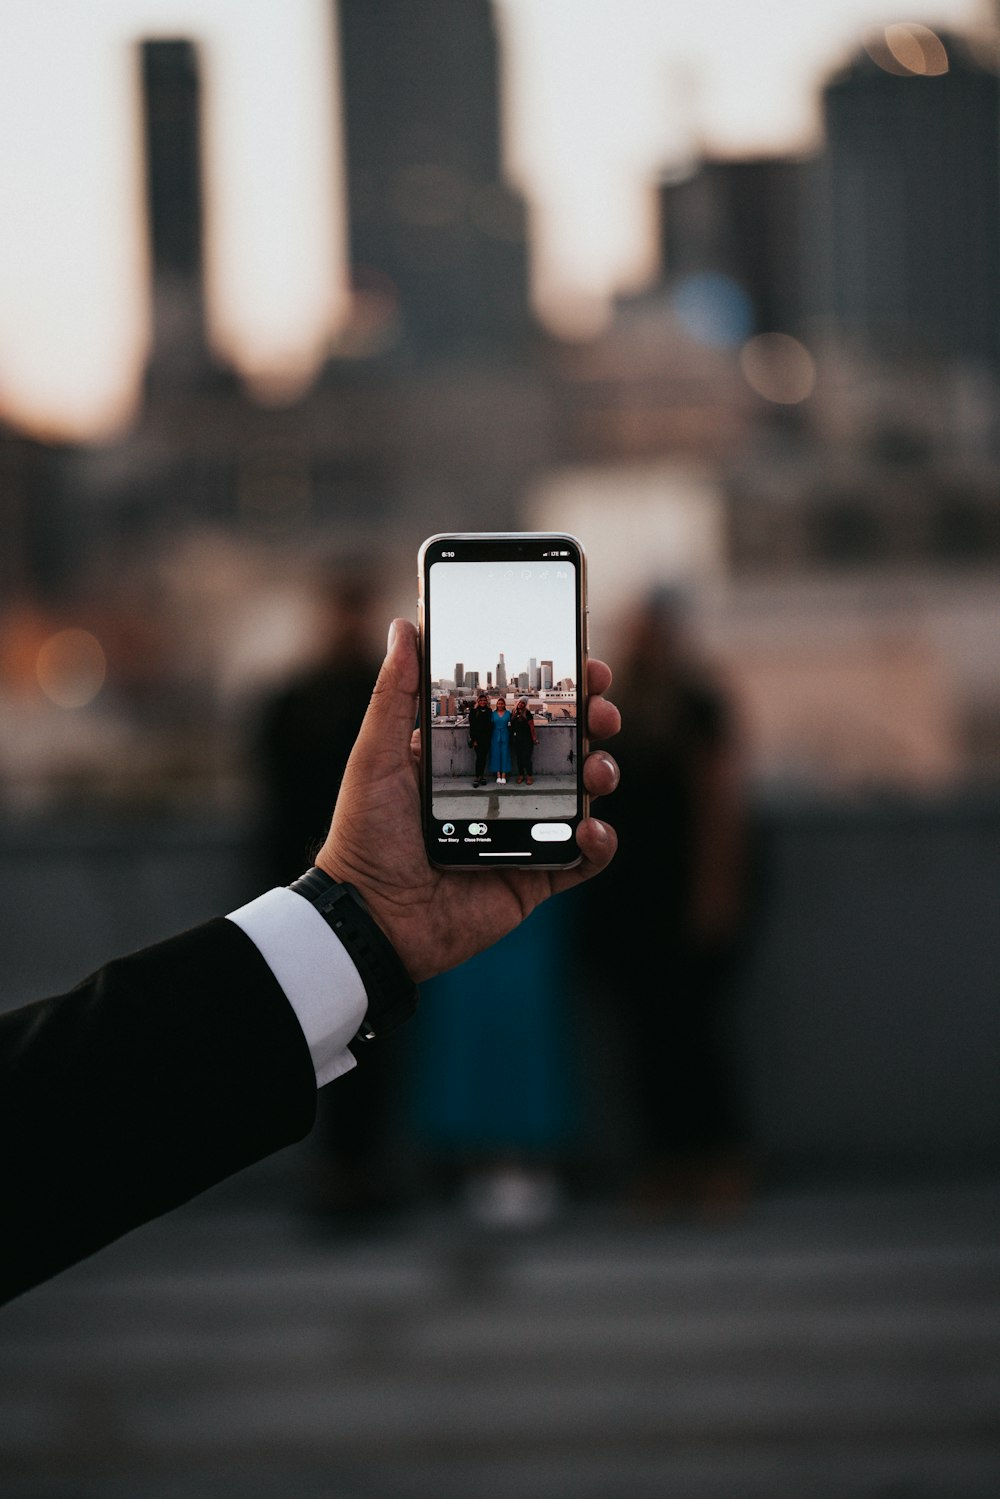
column 908, row 50
column 778, row 367
column 713, row 308
column 71, row 668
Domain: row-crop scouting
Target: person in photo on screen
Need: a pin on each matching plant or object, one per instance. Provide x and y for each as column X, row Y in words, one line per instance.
column 524, row 738
column 500, row 743
column 480, row 735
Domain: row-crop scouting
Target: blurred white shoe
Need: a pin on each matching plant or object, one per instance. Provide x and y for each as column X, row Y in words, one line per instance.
column 513, row 1197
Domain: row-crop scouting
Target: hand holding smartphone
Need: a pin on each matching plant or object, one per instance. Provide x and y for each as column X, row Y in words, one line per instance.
column 503, row 632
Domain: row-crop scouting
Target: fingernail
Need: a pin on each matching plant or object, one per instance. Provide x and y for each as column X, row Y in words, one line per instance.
column 392, row 638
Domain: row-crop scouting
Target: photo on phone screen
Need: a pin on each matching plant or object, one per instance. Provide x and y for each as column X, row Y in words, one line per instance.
column 503, row 650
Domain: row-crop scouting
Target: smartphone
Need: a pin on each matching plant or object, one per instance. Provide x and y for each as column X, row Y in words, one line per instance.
column 503, row 632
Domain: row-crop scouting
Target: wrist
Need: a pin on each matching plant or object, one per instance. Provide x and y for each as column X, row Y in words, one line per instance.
column 391, row 993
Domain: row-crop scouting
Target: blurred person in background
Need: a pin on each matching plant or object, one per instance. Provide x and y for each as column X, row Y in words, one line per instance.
column 305, row 733
column 678, row 900
column 496, row 1096
column 307, row 727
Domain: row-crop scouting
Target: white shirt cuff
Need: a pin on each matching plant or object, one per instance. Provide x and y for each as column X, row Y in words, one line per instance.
column 312, row 966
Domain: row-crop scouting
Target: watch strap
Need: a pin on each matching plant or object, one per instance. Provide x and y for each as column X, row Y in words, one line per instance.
column 392, row 994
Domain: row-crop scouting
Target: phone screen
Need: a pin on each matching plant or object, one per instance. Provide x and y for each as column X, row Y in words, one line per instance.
column 502, row 714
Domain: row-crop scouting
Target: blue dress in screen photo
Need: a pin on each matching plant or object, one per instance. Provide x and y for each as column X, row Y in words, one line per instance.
column 500, row 743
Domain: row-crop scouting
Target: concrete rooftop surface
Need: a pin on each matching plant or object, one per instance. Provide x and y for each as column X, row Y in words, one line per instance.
column 831, row 1340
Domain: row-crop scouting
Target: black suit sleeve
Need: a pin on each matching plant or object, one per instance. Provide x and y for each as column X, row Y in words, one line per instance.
column 158, row 1076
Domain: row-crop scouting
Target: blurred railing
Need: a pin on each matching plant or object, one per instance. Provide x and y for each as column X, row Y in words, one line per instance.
column 553, row 752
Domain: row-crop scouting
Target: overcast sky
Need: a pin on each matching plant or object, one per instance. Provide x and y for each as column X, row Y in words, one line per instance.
column 480, row 610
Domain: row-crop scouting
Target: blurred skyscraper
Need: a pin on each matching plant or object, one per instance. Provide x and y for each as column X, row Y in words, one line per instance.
column 743, row 220
column 909, row 222
column 887, row 239
column 430, row 214
column 171, row 91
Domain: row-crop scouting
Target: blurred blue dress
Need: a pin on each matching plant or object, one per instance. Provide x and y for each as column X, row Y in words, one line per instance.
column 498, row 1048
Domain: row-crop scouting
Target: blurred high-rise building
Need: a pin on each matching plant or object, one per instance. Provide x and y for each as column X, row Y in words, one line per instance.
column 742, row 219
column 433, row 226
column 908, row 217
column 171, row 100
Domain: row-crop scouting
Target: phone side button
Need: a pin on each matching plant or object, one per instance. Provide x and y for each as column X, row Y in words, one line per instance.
column 551, row 832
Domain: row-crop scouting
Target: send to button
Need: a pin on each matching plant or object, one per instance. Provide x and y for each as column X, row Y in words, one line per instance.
column 551, row 832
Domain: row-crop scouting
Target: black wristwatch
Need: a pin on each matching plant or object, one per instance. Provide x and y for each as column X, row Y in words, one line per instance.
column 392, row 994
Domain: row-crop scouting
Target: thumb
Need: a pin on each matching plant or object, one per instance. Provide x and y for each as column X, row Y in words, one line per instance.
column 392, row 711
column 380, row 771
